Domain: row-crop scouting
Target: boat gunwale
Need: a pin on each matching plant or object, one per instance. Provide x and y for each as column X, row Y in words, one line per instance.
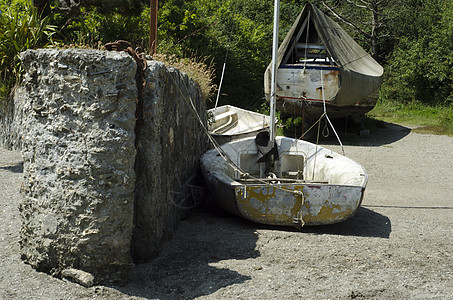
column 213, row 155
column 311, row 66
column 243, row 133
column 296, row 184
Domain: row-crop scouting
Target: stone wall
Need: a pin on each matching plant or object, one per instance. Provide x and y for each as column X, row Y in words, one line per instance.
column 171, row 140
column 91, row 199
column 10, row 110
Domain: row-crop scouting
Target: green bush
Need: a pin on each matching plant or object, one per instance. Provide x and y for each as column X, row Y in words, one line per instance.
column 20, row 30
column 91, row 28
column 421, row 67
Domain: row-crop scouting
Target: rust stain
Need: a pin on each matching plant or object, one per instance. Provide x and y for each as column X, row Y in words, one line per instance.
column 264, row 204
column 327, row 215
column 258, row 206
column 314, row 187
column 299, row 203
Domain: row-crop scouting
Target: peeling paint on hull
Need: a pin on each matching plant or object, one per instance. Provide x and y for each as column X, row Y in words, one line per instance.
column 306, row 84
column 313, row 203
column 321, row 204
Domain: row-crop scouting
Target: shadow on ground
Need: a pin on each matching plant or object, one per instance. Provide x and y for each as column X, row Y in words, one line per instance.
column 184, row 268
column 365, row 223
column 382, row 133
column 15, row 168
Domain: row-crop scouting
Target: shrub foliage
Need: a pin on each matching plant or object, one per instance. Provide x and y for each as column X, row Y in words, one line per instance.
column 20, row 30
column 415, row 40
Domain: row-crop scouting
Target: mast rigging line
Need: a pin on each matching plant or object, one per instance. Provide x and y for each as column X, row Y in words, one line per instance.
column 327, row 117
column 188, row 100
column 225, row 61
column 221, row 152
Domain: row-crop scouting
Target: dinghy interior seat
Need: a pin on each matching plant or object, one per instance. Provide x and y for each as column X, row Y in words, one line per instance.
column 224, row 121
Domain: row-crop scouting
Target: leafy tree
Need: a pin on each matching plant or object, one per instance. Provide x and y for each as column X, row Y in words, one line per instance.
column 126, row 7
column 93, row 23
column 369, row 21
column 421, row 67
column 238, row 32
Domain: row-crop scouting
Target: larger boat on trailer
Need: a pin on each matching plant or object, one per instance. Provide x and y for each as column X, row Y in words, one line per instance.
column 319, row 64
column 283, row 181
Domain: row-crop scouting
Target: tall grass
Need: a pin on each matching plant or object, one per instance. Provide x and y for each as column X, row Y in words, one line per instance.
column 198, row 69
column 19, row 32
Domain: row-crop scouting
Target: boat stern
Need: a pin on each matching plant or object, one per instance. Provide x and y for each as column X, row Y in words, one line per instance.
column 298, row 205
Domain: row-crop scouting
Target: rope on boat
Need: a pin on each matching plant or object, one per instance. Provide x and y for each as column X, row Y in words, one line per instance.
column 302, row 136
column 316, row 151
column 327, row 117
column 325, row 131
column 221, row 152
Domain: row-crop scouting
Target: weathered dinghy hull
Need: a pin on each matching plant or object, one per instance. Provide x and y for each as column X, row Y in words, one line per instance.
column 229, row 123
column 331, row 190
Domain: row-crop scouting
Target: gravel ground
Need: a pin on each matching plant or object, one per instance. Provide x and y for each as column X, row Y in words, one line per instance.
column 399, row 245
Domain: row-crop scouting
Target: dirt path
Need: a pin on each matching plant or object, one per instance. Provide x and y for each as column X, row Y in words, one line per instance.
column 398, row 246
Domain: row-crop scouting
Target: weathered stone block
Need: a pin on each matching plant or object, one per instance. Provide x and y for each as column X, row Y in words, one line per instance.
column 99, row 184
column 77, row 135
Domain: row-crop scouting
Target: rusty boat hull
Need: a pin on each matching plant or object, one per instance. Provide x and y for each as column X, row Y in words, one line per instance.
column 320, row 67
column 312, row 185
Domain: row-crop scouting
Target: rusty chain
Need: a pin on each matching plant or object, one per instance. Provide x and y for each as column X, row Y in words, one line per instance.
column 126, row 46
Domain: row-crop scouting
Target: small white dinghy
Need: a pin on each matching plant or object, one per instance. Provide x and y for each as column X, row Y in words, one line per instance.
column 309, row 185
column 230, row 123
column 283, row 181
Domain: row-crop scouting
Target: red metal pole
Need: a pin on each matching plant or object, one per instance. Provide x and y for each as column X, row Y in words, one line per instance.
column 153, row 27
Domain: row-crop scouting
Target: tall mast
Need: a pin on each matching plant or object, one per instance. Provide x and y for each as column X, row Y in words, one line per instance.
column 274, row 70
